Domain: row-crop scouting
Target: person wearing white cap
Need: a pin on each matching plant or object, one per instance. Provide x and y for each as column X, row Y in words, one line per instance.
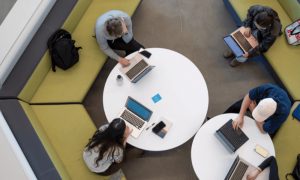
column 268, row 104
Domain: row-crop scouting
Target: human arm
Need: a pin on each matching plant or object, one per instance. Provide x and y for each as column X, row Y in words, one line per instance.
column 253, row 174
column 263, row 46
column 127, row 133
column 239, row 120
column 102, row 42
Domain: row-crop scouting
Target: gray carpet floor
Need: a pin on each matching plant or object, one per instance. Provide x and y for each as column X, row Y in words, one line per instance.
column 194, row 28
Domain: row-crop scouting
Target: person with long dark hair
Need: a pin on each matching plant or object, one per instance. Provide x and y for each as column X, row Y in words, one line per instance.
column 106, row 148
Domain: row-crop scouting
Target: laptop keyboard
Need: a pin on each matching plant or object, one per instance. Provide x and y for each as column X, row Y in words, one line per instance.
column 242, row 40
column 239, row 171
column 132, row 119
column 236, row 137
column 136, row 69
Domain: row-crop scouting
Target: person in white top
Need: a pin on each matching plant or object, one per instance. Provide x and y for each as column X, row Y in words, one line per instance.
column 106, row 147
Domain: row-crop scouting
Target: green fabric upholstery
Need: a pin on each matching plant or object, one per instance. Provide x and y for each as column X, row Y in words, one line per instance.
column 287, row 145
column 65, row 129
column 283, row 58
column 71, row 86
column 68, row 128
column 44, row 66
column 43, row 136
column 36, row 78
column 76, row 14
column 291, row 7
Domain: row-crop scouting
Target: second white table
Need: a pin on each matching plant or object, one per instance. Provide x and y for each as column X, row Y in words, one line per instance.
column 211, row 160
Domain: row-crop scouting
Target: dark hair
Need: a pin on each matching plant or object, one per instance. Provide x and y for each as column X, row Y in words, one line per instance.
column 114, row 27
column 264, row 19
column 109, row 139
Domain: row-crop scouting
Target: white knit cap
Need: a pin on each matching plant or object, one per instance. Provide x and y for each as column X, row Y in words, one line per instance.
column 264, row 109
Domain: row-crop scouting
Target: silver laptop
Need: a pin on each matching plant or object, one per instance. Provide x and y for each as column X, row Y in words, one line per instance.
column 137, row 69
column 135, row 116
column 239, row 169
column 246, row 43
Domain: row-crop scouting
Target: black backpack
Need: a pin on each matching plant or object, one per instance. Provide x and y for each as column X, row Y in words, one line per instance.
column 63, row 52
column 296, row 172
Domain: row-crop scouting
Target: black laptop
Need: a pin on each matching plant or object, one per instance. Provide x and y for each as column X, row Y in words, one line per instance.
column 232, row 139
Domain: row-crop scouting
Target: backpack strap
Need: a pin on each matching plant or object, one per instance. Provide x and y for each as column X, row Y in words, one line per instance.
column 53, row 65
column 52, row 62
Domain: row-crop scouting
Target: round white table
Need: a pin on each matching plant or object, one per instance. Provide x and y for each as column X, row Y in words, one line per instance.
column 184, row 98
column 210, row 158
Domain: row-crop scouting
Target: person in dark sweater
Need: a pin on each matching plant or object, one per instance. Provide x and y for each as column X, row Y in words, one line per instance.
column 268, row 104
column 269, row 162
column 264, row 24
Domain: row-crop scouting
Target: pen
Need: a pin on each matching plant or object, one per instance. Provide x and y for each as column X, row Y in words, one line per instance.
column 150, row 126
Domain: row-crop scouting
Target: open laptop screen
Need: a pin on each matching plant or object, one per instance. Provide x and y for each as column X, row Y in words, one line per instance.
column 138, row 109
column 235, row 48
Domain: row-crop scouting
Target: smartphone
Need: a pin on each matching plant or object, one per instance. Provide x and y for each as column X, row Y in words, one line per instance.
column 261, row 151
column 145, row 53
column 158, row 127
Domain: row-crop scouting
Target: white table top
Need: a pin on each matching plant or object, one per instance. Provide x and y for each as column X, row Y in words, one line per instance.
column 211, row 160
column 184, row 98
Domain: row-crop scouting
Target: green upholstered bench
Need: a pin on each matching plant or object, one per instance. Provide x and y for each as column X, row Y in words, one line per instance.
column 71, row 86
column 64, row 130
column 49, row 106
column 287, row 145
column 283, row 58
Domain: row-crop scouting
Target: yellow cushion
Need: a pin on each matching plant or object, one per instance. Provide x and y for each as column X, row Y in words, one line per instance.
column 285, row 61
column 76, row 14
column 291, row 7
column 73, row 84
column 43, row 136
column 283, row 58
column 36, row 78
column 242, row 6
column 68, row 128
column 287, row 145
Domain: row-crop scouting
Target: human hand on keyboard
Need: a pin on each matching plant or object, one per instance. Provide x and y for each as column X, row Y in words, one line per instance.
column 238, row 122
column 127, row 132
column 246, row 55
column 124, row 62
column 253, row 174
column 247, row 32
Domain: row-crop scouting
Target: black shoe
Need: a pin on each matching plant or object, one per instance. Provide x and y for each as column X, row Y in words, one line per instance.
column 228, row 54
column 234, row 63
